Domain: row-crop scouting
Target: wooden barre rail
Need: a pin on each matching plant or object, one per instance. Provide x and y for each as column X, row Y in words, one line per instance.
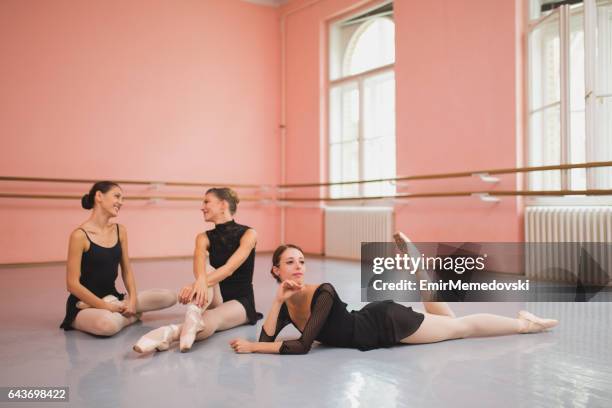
column 338, row 183
column 77, row 197
column 132, row 182
column 599, row 192
column 456, row 175
column 602, row 192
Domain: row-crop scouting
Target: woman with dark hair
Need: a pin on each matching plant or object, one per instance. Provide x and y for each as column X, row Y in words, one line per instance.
column 319, row 314
column 96, row 249
column 222, row 295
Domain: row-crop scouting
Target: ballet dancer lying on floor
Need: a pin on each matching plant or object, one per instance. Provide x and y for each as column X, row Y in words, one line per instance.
column 222, row 295
column 96, row 249
column 319, row 314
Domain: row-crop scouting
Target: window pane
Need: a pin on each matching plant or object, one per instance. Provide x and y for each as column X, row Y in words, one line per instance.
column 604, row 47
column 344, row 113
column 545, row 148
column 379, row 133
column 577, row 153
column 372, row 46
column 602, row 141
column 544, row 64
column 335, row 115
column 335, row 168
column 379, row 162
column 379, row 106
column 350, row 167
column 577, row 139
column 535, row 9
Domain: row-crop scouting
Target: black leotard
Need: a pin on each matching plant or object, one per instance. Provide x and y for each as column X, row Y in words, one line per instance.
column 99, row 269
column 224, row 240
column 378, row 324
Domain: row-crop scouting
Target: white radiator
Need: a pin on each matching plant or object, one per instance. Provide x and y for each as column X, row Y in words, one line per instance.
column 346, row 228
column 566, row 224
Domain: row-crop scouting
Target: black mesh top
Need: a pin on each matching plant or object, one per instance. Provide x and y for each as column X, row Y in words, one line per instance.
column 224, row 240
column 329, row 322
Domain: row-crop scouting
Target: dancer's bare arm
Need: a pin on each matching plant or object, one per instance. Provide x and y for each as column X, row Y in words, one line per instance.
column 242, row 346
column 270, row 327
column 198, row 290
column 127, row 274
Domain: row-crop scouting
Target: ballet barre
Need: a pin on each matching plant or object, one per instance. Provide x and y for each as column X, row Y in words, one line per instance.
column 154, row 184
column 485, row 175
column 268, row 194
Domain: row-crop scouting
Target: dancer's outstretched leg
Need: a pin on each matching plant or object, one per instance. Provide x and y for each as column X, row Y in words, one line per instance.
column 439, row 308
column 439, row 328
column 406, row 246
column 225, row 316
column 155, row 299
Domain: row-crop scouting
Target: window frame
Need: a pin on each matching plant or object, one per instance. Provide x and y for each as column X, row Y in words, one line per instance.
column 359, row 80
column 564, row 12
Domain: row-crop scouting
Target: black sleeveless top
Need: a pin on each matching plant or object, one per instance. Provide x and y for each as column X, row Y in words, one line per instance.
column 99, row 270
column 224, row 240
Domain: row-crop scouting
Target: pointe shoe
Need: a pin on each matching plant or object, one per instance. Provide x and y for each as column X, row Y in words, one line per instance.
column 535, row 324
column 401, row 241
column 405, row 245
column 158, row 339
column 193, row 324
column 108, row 299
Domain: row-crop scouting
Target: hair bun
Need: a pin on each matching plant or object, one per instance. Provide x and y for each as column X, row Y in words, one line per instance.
column 86, row 202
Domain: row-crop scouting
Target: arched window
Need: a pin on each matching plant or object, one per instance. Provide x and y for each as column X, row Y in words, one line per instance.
column 371, row 46
column 362, row 103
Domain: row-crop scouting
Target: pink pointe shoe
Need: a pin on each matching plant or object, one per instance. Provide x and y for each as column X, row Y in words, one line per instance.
column 535, row 324
column 193, row 324
column 159, row 339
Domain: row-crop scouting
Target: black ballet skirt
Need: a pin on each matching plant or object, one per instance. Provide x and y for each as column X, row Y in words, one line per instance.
column 99, row 270
column 378, row 324
column 224, row 240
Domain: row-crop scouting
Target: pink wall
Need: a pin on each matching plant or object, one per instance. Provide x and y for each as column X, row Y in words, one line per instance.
column 190, row 90
column 136, row 89
column 456, row 111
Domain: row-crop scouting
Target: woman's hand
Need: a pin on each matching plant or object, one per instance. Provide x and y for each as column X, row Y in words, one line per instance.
column 287, row 289
column 242, row 346
column 200, row 289
column 116, row 307
column 186, row 294
column 130, row 308
column 197, row 291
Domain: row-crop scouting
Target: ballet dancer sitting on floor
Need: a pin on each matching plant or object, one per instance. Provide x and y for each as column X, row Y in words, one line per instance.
column 222, row 295
column 319, row 314
column 96, row 249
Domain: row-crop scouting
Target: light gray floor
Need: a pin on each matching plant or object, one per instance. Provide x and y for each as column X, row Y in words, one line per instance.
column 570, row 366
